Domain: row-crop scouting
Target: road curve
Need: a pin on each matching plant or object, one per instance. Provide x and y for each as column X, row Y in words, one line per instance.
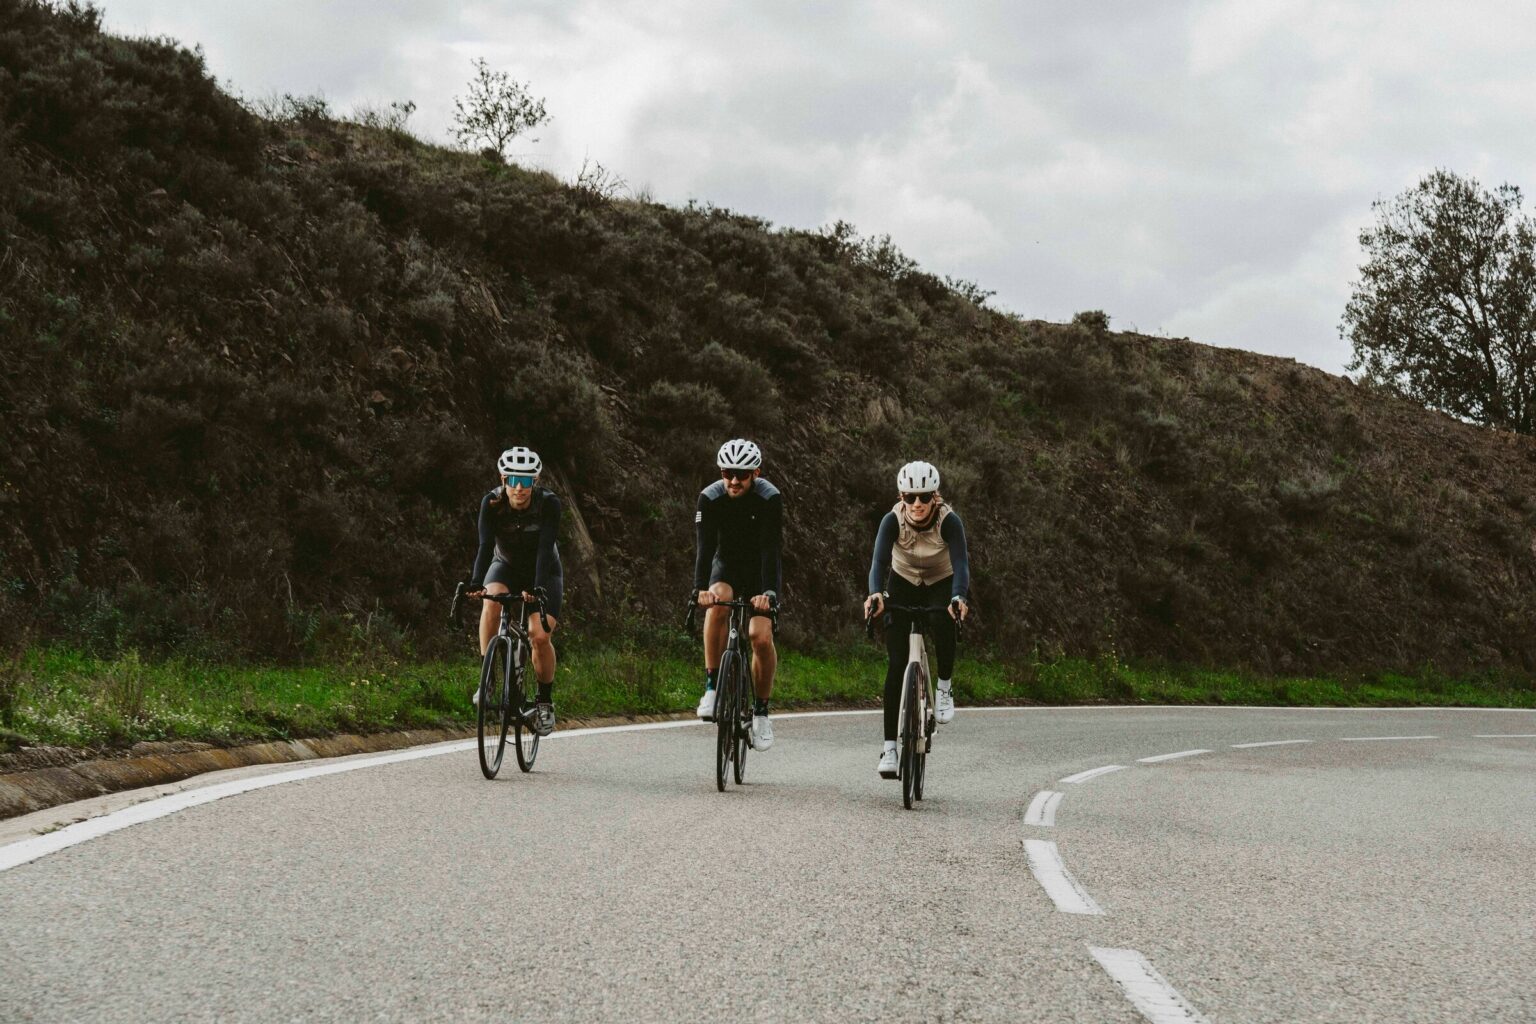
column 1356, row 876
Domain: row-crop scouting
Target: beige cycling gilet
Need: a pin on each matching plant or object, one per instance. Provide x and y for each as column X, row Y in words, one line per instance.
column 921, row 556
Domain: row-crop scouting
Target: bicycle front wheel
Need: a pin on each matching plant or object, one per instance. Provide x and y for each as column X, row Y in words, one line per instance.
column 911, row 738
column 525, row 738
column 726, row 712
column 491, row 718
column 744, row 696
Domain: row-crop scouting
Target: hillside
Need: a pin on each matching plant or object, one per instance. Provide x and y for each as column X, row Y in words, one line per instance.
column 256, row 373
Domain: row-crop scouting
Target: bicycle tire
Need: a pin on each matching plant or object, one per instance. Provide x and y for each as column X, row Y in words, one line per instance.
column 491, row 718
column 725, row 717
column 743, row 720
column 911, row 736
column 525, row 737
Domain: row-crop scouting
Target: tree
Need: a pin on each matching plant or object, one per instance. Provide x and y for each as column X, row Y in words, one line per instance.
column 495, row 111
column 1445, row 311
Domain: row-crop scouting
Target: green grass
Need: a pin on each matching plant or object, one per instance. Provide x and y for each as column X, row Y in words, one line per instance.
column 63, row 697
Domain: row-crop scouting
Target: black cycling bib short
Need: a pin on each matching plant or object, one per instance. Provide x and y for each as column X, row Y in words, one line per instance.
column 520, row 548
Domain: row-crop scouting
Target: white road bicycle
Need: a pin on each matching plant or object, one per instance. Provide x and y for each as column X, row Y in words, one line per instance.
column 916, row 721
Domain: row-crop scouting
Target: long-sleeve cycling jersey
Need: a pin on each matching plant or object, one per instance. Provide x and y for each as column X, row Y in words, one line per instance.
column 527, row 540
column 745, row 533
column 951, row 532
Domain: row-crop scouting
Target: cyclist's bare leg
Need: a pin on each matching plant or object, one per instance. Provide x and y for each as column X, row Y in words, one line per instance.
column 765, row 658
column 717, row 623
column 490, row 616
column 543, row 649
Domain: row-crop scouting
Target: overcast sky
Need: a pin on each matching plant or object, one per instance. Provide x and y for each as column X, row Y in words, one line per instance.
column 1195, row 169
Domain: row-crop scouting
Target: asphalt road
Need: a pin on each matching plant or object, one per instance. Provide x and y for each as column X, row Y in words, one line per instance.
column 1380, row 880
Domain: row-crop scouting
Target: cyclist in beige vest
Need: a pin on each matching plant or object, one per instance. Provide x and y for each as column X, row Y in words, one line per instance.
column 920, row 560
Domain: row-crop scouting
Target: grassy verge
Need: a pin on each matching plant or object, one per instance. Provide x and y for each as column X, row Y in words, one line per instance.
column 63, row 697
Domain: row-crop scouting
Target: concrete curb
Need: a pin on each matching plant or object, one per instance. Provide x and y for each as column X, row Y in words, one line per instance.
column 38, row 789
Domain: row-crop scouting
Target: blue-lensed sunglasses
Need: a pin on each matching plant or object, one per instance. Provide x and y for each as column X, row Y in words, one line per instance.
column 519, row 481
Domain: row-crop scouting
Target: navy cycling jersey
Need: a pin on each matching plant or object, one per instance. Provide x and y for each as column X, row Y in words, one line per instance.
column 746, row 532
column 527, row 539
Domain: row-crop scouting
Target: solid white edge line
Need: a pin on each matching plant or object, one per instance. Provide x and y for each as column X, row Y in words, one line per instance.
column 1093, row 773
column 1267, row 743
column 1042, row 809
column 1367, row 739
column 1169, row 757
column 1147, row 990
column 1059, row 885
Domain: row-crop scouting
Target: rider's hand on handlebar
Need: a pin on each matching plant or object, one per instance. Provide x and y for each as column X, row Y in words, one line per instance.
column 762, row 603
column 958, row 609
column 874, row 604
column 705, row 598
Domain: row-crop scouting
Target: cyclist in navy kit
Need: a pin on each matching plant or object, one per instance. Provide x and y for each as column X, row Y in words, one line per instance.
column 740, row 525
column 519, row 530
column 920, row 549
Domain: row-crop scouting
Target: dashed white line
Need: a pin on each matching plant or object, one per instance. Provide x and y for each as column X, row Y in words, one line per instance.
column 1042, row 809
column 1094, row 773
column 1147, row 990
column 1268, row 743
column 1051, row 873
column 1367, row 739
column 1169, row 757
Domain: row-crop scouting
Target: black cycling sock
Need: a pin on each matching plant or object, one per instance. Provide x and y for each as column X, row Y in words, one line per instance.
column 759, row 706
column 710, row 675
column 546, row 693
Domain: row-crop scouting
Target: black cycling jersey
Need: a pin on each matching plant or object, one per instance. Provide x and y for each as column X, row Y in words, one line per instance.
column 526, row 540
column 740, row 538
column 951, row 531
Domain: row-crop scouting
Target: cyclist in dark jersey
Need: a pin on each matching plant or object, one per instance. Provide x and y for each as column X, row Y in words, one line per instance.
column 519, row 550
column 921, row 561
column 740, row 525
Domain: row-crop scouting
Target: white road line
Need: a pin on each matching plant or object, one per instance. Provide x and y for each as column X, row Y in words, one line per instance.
column 1267, row 743
column 1051, row 873
column 1042, row 809
column 1094, row 773
column 1147, row 990
column 1367, row 739
column 27, row 850
column 1169, row 757
column 1506, row 736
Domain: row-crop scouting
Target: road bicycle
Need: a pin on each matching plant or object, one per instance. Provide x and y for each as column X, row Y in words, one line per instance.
column 733, row 690
column 502, row 702
column 916, row 721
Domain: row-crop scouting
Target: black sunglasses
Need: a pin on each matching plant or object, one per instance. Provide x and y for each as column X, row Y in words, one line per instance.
column 914, row 498
column 736, row 474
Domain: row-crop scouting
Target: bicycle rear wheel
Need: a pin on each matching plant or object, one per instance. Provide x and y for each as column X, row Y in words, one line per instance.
column 911, row 737
column 726, row 712
column 525, row 739
column 492, row 718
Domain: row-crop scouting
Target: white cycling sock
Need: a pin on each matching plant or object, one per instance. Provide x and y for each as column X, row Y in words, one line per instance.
column 944, row 685
column 890, row 745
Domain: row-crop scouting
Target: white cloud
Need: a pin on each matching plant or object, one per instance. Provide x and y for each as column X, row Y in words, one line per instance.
column 1198, row 167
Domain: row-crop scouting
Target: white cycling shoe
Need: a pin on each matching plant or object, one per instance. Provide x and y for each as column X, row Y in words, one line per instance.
column 707, row 706
column 887, row 767
column 944, row 707
column 762, row 732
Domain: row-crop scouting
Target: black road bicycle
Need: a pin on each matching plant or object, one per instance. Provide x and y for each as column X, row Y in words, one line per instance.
column 733, row 690
column 916, row 721
column 503, row 701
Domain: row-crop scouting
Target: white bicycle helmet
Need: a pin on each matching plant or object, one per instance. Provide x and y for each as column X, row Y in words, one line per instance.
column 739, row 454
column 519, row 461
column 917, row 478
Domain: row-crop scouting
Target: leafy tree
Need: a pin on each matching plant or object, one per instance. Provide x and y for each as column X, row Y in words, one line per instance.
column 1445, row 311
column 495, row 111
